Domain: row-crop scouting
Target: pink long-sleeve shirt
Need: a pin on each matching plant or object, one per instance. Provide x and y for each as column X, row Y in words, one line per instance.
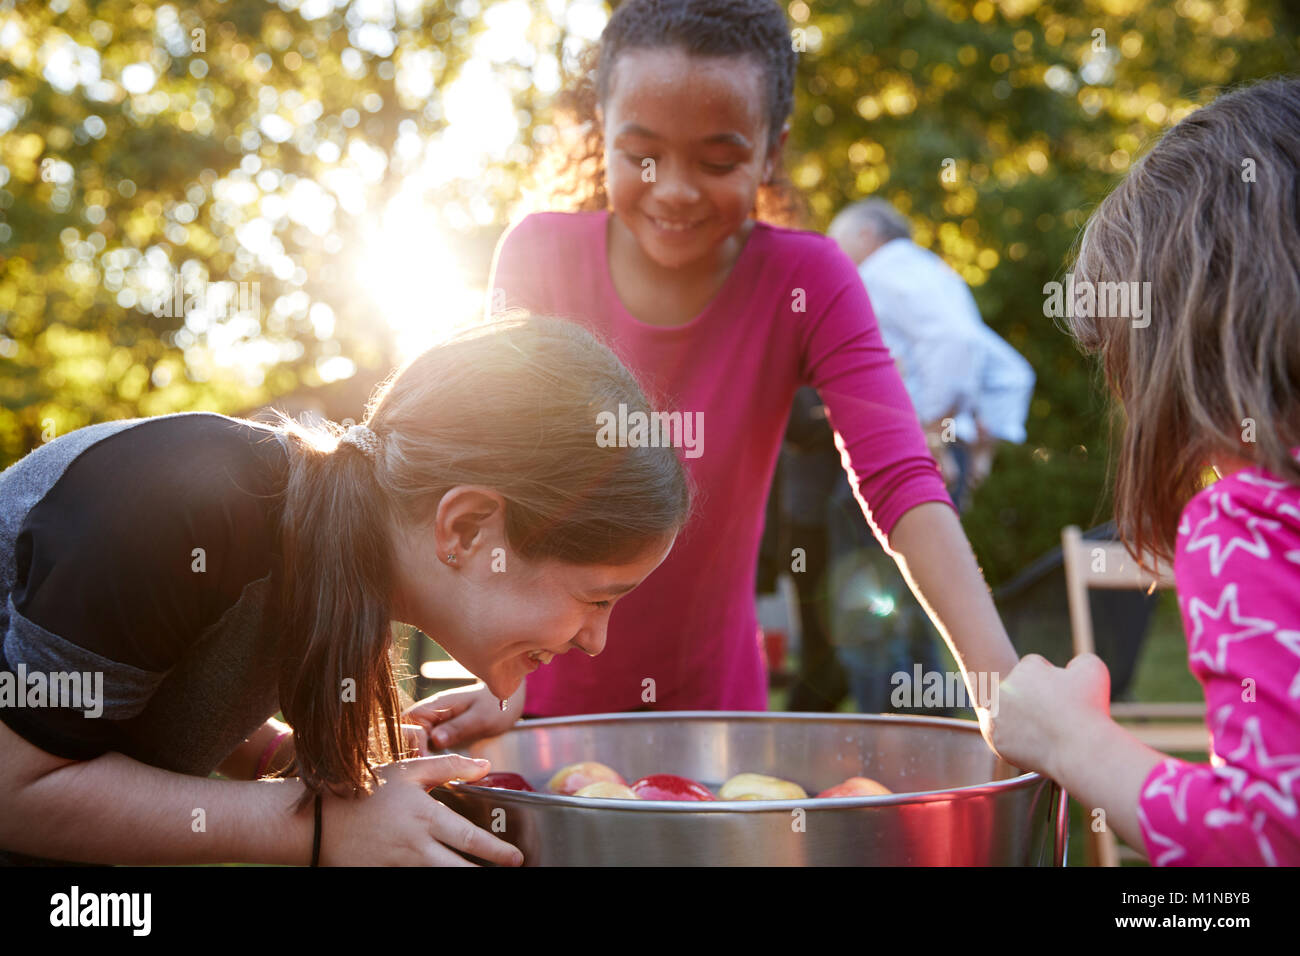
column 792, row 311
column 1237, row 570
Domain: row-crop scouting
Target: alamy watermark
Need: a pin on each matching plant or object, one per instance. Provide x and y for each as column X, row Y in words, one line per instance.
column 651, row 430
column 77, row 909
column 1125, row 300
column 219, row 300
column 67, row 690
column 943, row 689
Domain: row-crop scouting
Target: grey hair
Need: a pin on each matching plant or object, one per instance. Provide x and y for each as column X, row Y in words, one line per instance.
column 878, row 215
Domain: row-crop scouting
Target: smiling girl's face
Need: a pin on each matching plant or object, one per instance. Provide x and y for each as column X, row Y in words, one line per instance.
column 703, row 122
column 500, row 616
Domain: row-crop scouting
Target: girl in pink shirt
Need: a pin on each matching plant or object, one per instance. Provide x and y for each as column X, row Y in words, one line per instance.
column 1210, row 376
column 722, row 317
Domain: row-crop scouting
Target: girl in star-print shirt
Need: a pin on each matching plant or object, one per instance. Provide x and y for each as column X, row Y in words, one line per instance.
column 1209, row 378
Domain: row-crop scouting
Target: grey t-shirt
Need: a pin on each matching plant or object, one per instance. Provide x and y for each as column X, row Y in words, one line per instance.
column 143, row 554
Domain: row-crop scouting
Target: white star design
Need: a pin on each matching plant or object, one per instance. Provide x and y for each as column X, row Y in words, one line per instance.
column 1227, row 600
column 1235, row 778
column 1265, row 848
column 1177, row 797
column 1219, row 552
column 1217, row 818
column 1173, row 850
column 1218, row 721
column 1259, row 481
column 1252, row 740
column 1291, row 641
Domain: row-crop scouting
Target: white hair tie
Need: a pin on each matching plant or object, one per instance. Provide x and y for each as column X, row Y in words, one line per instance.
column 359, row 436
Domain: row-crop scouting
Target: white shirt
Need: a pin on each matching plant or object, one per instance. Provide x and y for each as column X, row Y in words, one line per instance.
column 952, row 363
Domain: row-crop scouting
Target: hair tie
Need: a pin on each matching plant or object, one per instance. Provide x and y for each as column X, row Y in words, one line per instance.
column 361, row 437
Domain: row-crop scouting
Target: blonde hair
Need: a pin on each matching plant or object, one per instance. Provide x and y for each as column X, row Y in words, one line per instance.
column 511, row 405
column 1211, row 219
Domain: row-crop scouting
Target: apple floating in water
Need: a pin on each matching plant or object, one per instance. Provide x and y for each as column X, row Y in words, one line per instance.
column 504, row 781
column 856, row 787
column 569, row 780
column 759, row 786
column 669, row 786
column 607, row 789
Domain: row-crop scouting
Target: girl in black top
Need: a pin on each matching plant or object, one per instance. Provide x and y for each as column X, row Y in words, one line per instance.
column 169, row 584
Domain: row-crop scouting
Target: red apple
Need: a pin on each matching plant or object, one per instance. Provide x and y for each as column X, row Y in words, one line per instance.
column 856, row 787
column 669, row 786
column 569, row 780
column 504, row 781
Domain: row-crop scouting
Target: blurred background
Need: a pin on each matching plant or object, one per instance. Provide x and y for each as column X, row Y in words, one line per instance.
column 221, row 205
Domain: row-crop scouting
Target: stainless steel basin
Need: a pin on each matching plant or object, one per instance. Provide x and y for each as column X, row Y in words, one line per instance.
column 954, row 801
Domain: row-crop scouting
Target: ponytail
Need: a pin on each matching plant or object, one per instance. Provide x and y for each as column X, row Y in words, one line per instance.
column 337, row 678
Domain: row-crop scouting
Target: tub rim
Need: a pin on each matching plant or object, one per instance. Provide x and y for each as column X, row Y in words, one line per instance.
column 1025, row 780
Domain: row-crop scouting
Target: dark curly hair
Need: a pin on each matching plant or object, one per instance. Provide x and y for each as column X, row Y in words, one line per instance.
column 570, row 174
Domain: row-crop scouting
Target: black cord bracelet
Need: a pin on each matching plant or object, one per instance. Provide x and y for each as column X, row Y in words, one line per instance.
column 315, row 842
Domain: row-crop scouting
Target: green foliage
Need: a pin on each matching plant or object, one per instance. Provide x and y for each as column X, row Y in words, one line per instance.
column 110, row 188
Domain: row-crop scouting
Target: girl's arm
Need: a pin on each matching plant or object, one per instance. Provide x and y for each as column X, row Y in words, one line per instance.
column 113, row 809
column 116, row 810
column 1105, row 772
column 892, row 473
column 1241, row 611
column 936, row 559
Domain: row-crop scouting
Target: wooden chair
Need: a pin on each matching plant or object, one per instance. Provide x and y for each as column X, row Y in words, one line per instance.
column 1167, row 727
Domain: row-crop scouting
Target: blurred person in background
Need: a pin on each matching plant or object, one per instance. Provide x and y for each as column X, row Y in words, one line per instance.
column 808, row 471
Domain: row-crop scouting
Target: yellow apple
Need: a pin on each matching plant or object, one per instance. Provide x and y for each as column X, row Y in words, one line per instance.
column 608, row 789
column 569, row 780
column 759, row 786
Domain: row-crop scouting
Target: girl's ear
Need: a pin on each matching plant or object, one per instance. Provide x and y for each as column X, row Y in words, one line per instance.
column 774, row 155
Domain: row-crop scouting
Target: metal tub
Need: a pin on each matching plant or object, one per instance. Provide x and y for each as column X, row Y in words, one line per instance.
column 954, row 802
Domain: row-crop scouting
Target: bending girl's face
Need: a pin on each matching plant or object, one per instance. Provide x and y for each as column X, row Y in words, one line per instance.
column 685, row 149
column 500, row 616
column 546, row 608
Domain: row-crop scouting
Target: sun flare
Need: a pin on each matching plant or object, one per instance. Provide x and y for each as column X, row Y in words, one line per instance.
column 408, row 267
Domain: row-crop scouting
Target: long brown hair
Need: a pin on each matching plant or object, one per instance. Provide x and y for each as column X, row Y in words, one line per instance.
column 510, row 404
column 1211, row 219
column 569, row 175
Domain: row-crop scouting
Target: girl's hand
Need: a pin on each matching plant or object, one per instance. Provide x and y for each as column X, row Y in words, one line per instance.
column 464, row 714
column 401, row 825
column 1041, row 710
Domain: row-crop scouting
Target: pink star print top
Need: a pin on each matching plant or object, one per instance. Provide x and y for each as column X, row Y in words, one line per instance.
column 792, row 311
column 1237, row 567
